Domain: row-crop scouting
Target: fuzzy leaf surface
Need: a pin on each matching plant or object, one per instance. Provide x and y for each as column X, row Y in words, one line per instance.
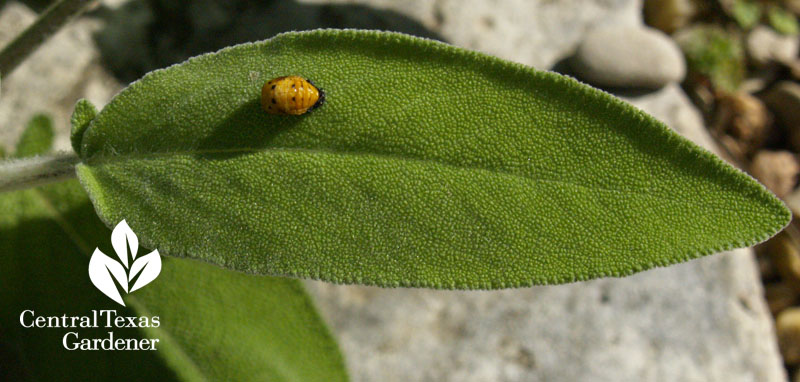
column 428, row 165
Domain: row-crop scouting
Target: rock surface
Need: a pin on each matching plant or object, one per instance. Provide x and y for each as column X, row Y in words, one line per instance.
column 63, row 70
column 765, row 45
column 535, row 33
column 700, row 321
column 744, row 117
column 777, row 170
column 628, row 57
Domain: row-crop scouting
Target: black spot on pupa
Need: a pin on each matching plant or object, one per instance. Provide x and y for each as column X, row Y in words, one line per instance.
column 292, row 98
column 292, row 85
column 273, row 86
column 273, row 100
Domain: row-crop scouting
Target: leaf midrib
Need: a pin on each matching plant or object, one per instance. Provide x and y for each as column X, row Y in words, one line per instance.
column 245, row 150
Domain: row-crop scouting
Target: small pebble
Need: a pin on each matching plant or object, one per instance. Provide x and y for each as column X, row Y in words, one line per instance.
column 785, row 255
column 792, row 6
column 777, row 170
column 628, row 57
column 787, row 325
column 779, row 297
column 669, row 15
column 765, row 45
column 793, row 201
column 744, row 117
column 783, row 100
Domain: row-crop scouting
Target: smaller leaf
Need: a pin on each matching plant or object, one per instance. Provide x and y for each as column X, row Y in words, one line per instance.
column 37, row 137
column 149, row 265
column 746, row 13
column 83, row 114
column 215, row 324
column 123, row 238
column 101, row 268
column 782, row 21
column 715, row 54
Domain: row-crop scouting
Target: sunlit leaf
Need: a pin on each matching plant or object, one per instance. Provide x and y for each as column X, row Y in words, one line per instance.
column 81, row 117
column 428, row 165
column 782, row 20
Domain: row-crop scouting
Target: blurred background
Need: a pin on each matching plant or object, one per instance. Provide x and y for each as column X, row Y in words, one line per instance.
column 723, row 73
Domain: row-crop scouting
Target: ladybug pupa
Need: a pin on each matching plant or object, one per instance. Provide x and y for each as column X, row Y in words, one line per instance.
column 291, row 95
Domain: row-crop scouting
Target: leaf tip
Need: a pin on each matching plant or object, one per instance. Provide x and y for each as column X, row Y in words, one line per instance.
column 82, row 115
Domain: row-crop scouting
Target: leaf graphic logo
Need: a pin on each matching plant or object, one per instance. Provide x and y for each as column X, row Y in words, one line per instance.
column 104, row 270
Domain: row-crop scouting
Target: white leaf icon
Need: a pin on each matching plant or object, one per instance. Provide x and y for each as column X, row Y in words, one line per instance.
column 123, row 238
column 149, row 265
column 101, row 268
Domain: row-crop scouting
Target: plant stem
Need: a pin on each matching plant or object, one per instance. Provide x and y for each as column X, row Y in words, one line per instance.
column 16, row 174
column 50, row 21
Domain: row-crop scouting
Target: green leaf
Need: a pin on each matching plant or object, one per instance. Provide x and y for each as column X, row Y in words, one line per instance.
column 43, row 269
column 747, row 13
column 37, row 137
column 83, row 114
column 215, row 324
column 428, row 165
column 715, row 54
column 783, row 21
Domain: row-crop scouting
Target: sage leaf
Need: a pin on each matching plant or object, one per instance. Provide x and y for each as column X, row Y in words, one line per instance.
column 82, row 115
column 428, row 166
column 37, row 138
